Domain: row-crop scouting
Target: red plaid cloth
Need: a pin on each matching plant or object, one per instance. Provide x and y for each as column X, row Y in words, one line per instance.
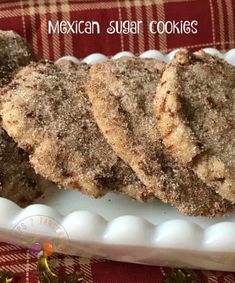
column 24, row 266
column 29, row 18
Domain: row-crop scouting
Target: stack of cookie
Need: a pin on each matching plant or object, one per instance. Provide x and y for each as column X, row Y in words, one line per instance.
column 18, row 180
column 131, row 126
column 173, row 125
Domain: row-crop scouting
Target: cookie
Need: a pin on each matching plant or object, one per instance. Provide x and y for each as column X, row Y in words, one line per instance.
column 195, row 108
column 14, row 53
column 18, row 181
column 122, row 93
column 47, row 112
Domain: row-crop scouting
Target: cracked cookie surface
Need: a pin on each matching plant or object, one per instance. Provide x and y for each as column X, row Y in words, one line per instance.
column 47, row 112
column 122, row 94
column 18, row 181
column 195, row 108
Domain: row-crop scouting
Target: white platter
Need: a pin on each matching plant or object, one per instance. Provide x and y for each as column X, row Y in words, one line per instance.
column 118, row 228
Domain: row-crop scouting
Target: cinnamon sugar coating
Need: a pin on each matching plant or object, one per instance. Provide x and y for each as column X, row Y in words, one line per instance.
column 122, row 94
column 195, row 107
column 47, row 112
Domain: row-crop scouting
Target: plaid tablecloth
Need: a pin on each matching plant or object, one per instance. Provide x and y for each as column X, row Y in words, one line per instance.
column 30, row 18
column 24, row 266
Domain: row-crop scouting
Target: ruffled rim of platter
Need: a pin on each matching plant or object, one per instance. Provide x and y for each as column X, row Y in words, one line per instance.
column 98, row 57
column 130, row 230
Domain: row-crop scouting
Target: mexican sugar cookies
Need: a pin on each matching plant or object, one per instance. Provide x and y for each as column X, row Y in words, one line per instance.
column 195, row 109
column 122, row 93
column 18, row 181
column 14, row 53
column 47, row 112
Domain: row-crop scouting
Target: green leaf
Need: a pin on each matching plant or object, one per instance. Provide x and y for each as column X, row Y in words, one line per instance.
column 6, row 277
column 46, row 275
column 178, row 276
